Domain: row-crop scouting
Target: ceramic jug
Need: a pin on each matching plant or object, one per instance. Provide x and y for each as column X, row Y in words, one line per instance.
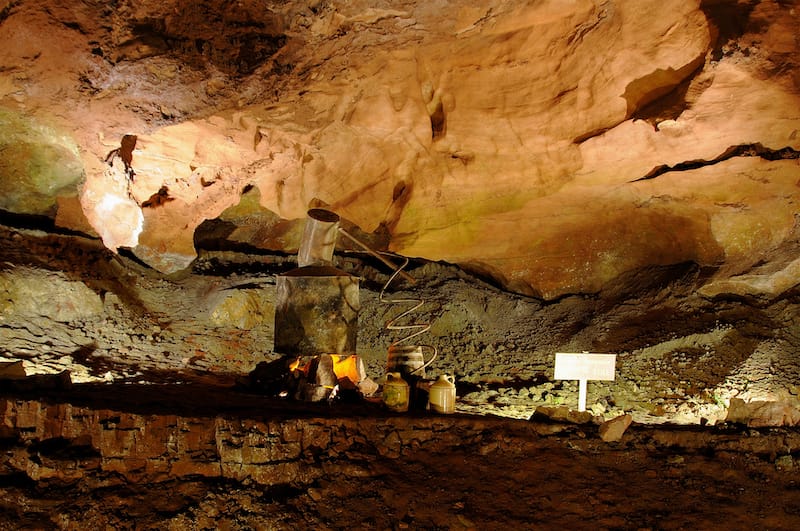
column 442, row 395
column 396, row 392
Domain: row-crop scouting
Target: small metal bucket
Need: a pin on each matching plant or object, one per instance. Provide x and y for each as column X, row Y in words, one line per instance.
column 408, row 360
column 319, row 238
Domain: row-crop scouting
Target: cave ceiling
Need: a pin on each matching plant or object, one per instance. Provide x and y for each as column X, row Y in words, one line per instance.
column 552, row 146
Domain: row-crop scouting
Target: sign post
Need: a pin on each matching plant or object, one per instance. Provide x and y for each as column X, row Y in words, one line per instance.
column 584, row 367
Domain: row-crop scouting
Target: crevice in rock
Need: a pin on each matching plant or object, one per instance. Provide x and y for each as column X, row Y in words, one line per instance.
column 5, row 12
column 63, row 448
column 581, row 30
column 728, row 22
column 36, row 222
column 742, row 150
column 438, row 123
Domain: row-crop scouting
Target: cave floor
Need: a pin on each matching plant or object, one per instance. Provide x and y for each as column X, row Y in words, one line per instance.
column 180, row 456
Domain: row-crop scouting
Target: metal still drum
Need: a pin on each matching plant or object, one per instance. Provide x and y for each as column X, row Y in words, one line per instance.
column 316, row 312
column 407, row 360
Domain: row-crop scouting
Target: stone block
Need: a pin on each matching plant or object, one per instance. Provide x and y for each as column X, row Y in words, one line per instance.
column 613, row 430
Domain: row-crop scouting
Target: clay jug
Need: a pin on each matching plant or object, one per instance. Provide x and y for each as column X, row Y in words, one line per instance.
column 396, row 392
column 442, row 395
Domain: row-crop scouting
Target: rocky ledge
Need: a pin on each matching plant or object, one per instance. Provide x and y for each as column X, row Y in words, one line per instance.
column 201, row 457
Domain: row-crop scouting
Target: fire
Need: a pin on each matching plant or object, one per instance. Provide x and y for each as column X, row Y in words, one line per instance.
column 346, row 367
column 296, row 366
column 343, row 365
column 325, row 376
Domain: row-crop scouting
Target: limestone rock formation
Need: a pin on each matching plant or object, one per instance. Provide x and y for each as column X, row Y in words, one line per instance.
column 605, row 175
column 763, row 413
column 552, row 146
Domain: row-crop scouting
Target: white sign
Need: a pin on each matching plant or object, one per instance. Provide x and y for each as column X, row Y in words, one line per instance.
column 584, row 367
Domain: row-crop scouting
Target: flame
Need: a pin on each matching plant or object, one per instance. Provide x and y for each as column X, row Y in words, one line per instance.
column 345, row 366
column 296, row 366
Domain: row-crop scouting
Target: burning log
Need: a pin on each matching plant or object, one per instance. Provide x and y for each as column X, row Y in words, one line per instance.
column 330, row 375
column 314, row 378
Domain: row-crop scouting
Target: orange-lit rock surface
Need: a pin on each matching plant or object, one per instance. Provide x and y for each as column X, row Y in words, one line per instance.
column 553, row 146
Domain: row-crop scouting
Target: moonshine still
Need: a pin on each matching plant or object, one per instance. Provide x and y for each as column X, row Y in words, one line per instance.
column 317, row 303
column 316, row 324
column 316, row 317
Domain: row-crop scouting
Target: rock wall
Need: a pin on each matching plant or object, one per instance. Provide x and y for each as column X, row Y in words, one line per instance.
column 151, row 447
column 553, row 147
column 70, row 306
column 67, row 466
